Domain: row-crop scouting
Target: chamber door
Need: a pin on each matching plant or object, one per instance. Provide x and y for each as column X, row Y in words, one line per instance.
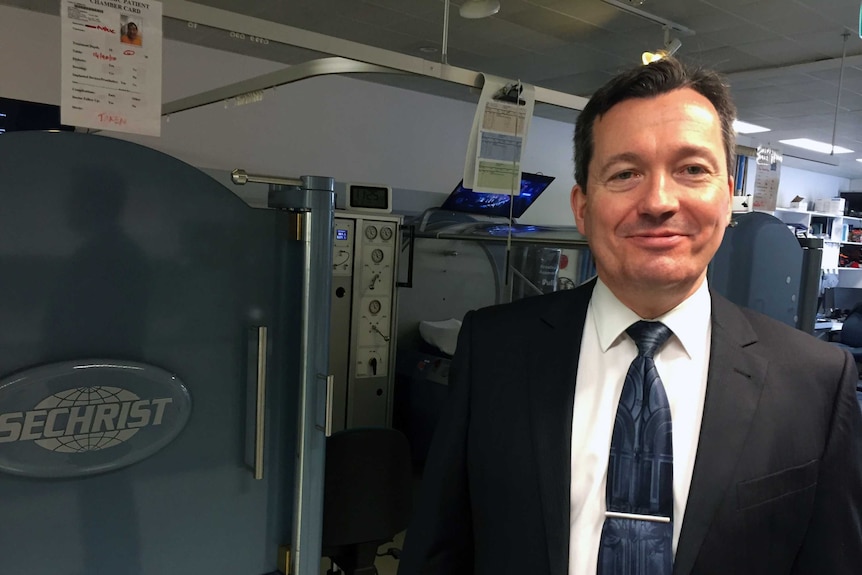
column 115, row 254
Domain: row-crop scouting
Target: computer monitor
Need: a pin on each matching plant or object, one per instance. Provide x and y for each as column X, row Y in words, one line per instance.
column 853, row 203
column 19, row 115
column 487, row 204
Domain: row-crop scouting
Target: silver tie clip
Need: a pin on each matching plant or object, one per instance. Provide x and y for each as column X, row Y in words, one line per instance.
column 653, row 518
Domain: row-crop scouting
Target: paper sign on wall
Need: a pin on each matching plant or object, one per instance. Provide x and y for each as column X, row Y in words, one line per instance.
column 767, row 178
column 498, row 136
column 112, row 65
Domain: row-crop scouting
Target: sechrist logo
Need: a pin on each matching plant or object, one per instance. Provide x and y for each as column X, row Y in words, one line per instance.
column 78, row 418
column 83, row 419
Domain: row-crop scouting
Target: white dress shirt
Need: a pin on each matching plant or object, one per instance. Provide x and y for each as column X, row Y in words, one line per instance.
column 606, row 352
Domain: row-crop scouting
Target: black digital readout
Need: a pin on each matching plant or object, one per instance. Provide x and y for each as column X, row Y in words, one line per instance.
column 369, row 197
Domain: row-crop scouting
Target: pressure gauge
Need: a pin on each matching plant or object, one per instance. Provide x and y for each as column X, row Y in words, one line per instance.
column 370, row 232
column 385, row 234
column 374, row 306
column 377, row 255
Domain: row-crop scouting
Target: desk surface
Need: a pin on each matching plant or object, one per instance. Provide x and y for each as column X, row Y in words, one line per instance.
column 830, row 324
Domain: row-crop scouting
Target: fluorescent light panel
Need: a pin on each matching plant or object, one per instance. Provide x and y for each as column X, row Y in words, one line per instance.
column 815, row 146
column 741, row 127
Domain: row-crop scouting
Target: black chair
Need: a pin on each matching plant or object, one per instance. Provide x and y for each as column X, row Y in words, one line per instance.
column 851, row 335
column 367, row 496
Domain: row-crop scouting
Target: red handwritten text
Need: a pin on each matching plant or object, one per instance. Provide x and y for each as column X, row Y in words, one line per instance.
column 100, row 56
column 115, row 119
column 102, row 28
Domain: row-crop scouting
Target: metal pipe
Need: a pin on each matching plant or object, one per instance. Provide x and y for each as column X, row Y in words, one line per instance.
column 650, row 16
column 304, row 386
column 241, row 177
column 222, row 19
column 838, row 97
column 444, row 51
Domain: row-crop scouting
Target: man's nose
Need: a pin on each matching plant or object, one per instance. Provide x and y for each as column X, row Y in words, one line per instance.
column 660, row 195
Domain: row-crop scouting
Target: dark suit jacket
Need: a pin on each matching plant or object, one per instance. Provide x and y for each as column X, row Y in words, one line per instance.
column 777, row 482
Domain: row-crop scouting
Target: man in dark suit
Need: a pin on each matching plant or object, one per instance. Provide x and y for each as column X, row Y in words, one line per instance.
column 767, row 433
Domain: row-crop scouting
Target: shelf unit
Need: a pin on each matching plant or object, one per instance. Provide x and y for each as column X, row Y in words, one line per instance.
column 834, row 229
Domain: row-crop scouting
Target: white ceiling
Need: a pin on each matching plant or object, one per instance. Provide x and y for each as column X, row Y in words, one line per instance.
column 782, row 57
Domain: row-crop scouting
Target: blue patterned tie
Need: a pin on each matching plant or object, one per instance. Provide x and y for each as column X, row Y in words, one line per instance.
column 640, row 469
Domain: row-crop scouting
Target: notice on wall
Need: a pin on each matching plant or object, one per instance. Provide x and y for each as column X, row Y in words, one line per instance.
column 112, row 65
column 766, row 179
column 498, row 136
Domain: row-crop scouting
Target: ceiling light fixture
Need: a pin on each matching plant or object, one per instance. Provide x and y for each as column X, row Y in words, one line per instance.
column 741, row 127
column 671, row 46
column 475, row 9
column 816, row 146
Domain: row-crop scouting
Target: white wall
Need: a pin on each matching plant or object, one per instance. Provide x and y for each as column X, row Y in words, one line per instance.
column 809, row 185
column 358, row 131
column 796, row 179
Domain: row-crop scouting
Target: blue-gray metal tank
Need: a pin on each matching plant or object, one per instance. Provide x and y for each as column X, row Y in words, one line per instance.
column 113, row 250
column 760, row 265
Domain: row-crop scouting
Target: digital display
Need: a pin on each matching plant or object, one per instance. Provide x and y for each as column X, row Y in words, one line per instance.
column 341, row 235
column 374, row 197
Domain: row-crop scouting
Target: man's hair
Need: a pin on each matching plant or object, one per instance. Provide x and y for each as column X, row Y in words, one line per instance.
column 666, row 75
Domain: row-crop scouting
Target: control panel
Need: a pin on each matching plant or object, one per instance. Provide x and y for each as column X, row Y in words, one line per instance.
column 362, row 347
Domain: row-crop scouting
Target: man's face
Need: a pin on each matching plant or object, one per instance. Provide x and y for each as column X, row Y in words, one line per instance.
column 658, row 193
column 131, row 31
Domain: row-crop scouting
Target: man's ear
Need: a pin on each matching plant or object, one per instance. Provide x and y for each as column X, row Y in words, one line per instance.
column 578, row 200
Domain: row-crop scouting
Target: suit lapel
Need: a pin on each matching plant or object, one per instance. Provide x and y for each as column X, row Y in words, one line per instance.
column 553, row 362
column 734, row 385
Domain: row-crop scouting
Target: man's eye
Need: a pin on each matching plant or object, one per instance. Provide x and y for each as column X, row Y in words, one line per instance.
column 624, row 175
column 694, row 170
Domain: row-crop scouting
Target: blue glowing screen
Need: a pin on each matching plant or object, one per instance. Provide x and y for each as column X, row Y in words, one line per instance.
column 465, row 200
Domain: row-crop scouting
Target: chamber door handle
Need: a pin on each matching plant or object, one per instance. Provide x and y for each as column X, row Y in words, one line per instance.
column 412, row 243
column 330, row 394
column 256, row 400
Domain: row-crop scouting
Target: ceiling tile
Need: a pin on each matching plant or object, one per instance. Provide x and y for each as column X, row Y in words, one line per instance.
column 546, row 22
column 851, row 75
column 599, row 15
column 703, row 18
column 582, row 84
column 764, row 95
column 418, row 8
column 768, row 11
column 804, row 23
column 850, row 102
column 843, row 12
column 776, row 52
column 791, row 109
column 727, row 59
column 532, row 41
column 829, row 42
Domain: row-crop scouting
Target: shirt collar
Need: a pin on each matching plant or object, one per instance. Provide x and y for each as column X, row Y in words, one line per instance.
column 689, row 321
